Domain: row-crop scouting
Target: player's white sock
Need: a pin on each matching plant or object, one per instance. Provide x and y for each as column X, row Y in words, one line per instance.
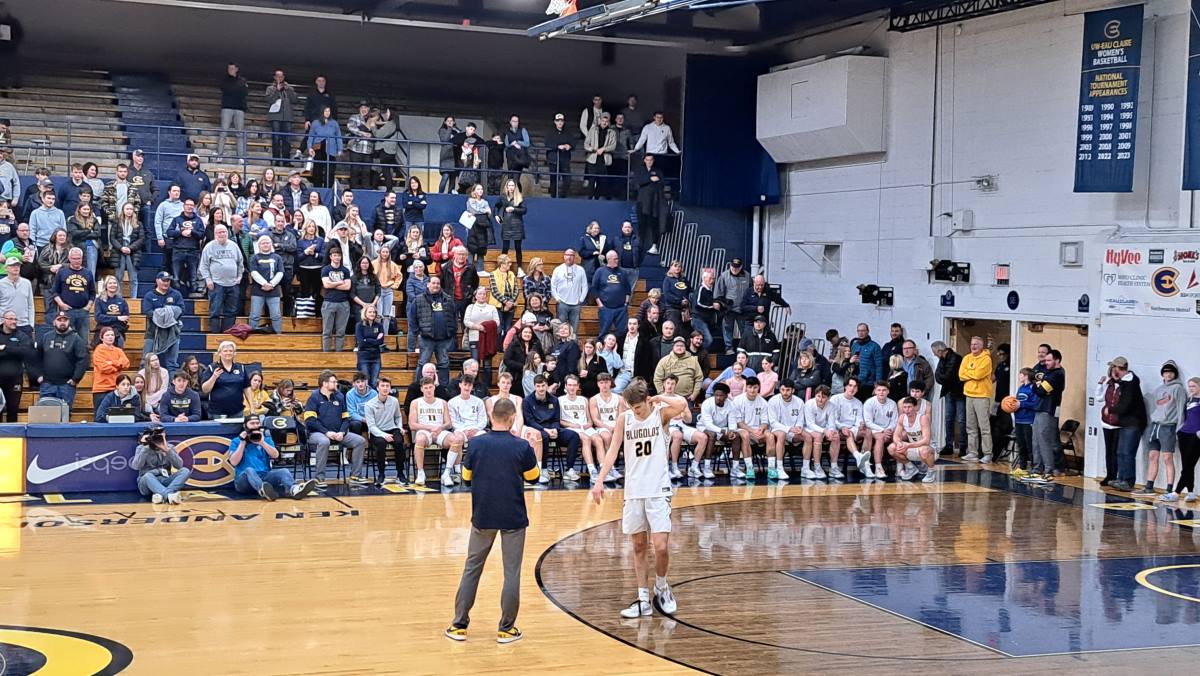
column 539, row 466
column 660, row 582
column 749, row 462
column 451, row 456
column 707, row 463
column 643, row 594
column 593, row 470
column 770, row 463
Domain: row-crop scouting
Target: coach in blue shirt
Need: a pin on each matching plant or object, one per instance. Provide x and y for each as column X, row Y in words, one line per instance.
column 495, row 466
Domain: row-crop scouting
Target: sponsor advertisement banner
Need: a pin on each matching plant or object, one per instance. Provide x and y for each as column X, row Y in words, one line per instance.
column 1151, row 280
column 84, row 458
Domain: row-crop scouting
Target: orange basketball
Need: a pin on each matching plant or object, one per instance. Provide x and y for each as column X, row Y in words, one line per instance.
column 1010, row 404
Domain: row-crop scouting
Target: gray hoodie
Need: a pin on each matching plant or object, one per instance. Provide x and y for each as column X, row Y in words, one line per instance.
column 1169, row 401
column 222, row 264
column 146, row 460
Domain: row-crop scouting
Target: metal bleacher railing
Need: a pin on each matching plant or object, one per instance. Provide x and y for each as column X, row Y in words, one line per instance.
column 420, row 156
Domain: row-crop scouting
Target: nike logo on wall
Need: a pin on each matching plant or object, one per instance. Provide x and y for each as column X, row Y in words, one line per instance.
column 41, row 475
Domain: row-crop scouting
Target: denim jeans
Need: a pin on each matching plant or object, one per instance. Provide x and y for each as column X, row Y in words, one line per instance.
column 334, row 317
column 439, row 348
column 222, row 308
column 621, row 381
column 570, row 314
column 387, row 308
column 371, row 368
column 1128, row 441
column 614, row 318
column 183, row 266
column 351, row 442
column 273, row 309
column 728, row 322
column 125, row 267
column 64, row 392
column 168, row 358
column 152, row 483
column 250, row 482
column 91, row 256
column 81, row 322
column 705, row 330
column 955, row 414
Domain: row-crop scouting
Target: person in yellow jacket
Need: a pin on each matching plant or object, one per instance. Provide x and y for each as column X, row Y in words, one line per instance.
column 975, row 372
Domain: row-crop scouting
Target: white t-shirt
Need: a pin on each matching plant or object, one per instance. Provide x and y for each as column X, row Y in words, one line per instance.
column 785, row 415
column 645, row 448
column 715, row 419
column 849, row 411
column 751, row 412
column 880, row 417
column 817, row 419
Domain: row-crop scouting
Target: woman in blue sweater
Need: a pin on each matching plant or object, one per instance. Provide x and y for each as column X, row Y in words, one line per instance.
column 324, row 145
column 369, row 339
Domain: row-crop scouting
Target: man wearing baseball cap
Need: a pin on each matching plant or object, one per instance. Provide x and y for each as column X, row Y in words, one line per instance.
column 163, row 295
column 1130, row 414
column 731, row 286
column 16, row 293
column 561, row 142
column 63, row 356
column 193, row 180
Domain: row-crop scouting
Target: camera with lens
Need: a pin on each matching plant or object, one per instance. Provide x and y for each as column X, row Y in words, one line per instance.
column 254, row 435
column 154, row 435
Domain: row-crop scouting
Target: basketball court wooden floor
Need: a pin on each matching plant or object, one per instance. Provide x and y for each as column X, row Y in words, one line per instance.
column 974, row 574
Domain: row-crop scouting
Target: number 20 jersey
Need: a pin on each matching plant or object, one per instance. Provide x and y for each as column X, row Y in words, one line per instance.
column 645, row 448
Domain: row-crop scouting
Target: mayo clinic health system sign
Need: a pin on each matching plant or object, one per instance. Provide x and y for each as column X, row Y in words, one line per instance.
column 1151, row 280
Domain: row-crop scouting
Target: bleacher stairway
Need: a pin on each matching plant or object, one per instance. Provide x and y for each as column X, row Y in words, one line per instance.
column 152, row 123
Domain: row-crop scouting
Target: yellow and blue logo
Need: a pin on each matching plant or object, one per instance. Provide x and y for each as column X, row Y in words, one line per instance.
column 35, row 650
column 1164, row 282
column 206, row 457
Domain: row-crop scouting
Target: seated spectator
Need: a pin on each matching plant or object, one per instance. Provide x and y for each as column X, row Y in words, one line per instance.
column 357, row 397
column 615, row 363
column 251, row 453
column 430, row 422
column 108, row 362
column 736, row 382
column 125, row 241
column 666, row 340
column 386, row 427
column 328, row 421
column 537, row 316
column 768, row 377
column 413, row 391
column 565, row 353
column 161, row 473
column 680, row 363
column 759, row 341
column 180, row 403
column 256, row 398
column 156, row 380
column 123, row 396
column 267, row 278
column 283, row 401
column 62, row 360
column 590, row 366
column 337, row 281
column 470, row 369
column 806, row 376
column 226, row 383
column 517, row 354
column 541, row 412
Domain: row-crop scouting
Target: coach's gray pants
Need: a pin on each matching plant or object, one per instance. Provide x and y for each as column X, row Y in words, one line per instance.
column 513, row 544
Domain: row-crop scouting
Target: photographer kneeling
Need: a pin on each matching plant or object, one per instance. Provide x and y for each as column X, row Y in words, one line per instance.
column 154, row 459
column 251, row 453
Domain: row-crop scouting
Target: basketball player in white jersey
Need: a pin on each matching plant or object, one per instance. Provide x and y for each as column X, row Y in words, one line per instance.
column 879, row 415
column 641, row 434
column 850, row 426
column 429, row 418
column 753, row 425
column 924, row 409
column 911, row 443
column 681, row 432
column 603, row 409
column 468, row 415
column 504, row 385
column 820, row 422
column 786, row 414
column 716, row 421
column 573, row 414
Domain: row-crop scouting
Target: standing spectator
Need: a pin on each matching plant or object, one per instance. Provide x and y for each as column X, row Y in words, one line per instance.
column 866, row 353
column 676, row 294
column 468, row 158
column 10, row 182
column 22, row 247
column 705, row 307
column 895, row 342
column 436, row 325
column 569, row 286
column 281, row 97
column 125, row 246
column 459, row 280
column 590, row 117
column 1130, row 415
column 1169, row 401
column 32, row 198
column 364, row 290
column 194, row 182
column 639, row 352
column 442, row 249
column 284, row 243
column 328, row 421
column 510, row 213
column 475, row 319
column 186, row 237
column 1001, row 422
column 388, row 214
column 502, row 285
column 143, row 180
column 536, row 282
column 317, row 100
column 91, row 176
column 635, row 119
column 652, row 205
column 387, row 136
column 630, row 248
column 267, row 274
column 1051, row 378
column 117, row 194
column 337, row 282
column 161, row 474
column 250, row 454
column 74, row 292
column 369, row 338
column 108, row 362
column 516, row 148
column 111, row 309
column 51, row 259
column 731, row 287
column 67, row 193
column 559, row 144
column 414, row 286
column 390, row 278
column 234, row 92
column 480, row 235
column 954, row 412
column 340, row 210
column 310, row 259
column 916, row 367
column 361, row 146
column 600, row 143
column 495, row 162
column 221, row 268
column 164, row 216
column 226, row 383
column 593, row 247
column 295, row 193
column 16, row 295
column 975, row 371
column 415, row 202
column 619, row 169
column 46, row 219
column 161, row 297
column 611, row 289
column 1189, row 443
column 18, row 357
column 758, row 299
column 324, row 146
column 62, row 359
column 446, row 134
column 656, row 137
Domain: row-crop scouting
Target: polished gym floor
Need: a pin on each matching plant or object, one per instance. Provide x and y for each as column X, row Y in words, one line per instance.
column 973, row 574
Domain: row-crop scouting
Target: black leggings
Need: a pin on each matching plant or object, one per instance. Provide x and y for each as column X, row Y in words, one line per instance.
column 516, row 245
column 310, row 282
column 1110, row 452
column 1189, row 448
column 11, row 386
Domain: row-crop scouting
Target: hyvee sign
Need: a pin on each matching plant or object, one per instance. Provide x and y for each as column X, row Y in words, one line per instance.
column 1159, row 280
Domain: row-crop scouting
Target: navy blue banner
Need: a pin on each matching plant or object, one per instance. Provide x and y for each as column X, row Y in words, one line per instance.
column 1108, row 99
column 1191, row 125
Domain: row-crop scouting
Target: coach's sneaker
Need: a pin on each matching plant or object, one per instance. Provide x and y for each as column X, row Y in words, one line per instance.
column 694, row 471
column 637, row 609
column 665, row 600
column 835, row 473
column 322, row 485
column 456, row 633
column 420, row 479
column 302, row 489
column 782, row 475
column 267, row 492
column 508, row 635
column 818, row 472
column 571, row 475
column 1019, row 473
column 749, row 474
column 880, row 472
column 736, row 472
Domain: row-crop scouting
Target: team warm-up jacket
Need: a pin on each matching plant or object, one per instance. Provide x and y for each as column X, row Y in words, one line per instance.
column 323, row 414
column 540, row 415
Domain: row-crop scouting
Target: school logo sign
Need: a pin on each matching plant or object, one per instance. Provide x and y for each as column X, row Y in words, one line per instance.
column 206, row 456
